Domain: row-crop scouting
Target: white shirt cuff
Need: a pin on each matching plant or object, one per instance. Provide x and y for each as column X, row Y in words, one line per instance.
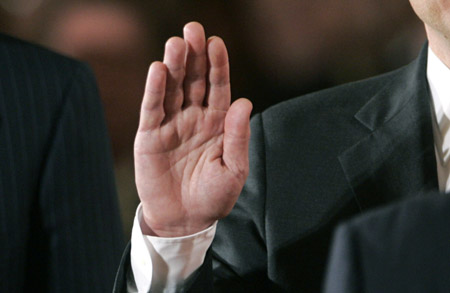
column 161, row 264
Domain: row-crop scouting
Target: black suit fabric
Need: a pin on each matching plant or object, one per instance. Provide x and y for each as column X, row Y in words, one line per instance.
column 401, row 248
column 59, row 224
column 314, row 161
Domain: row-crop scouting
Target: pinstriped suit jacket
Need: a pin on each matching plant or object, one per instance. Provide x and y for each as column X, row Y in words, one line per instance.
column 59, row 225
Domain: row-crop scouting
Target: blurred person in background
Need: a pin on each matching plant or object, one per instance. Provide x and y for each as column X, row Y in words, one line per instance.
column 60, row 228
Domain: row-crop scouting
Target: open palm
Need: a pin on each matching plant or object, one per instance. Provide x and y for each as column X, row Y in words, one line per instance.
column 191, row 149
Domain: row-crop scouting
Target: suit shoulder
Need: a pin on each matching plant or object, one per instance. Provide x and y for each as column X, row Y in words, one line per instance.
column 346, row 98
column 30, row 68
column 42, row 82
column 22, row 56
column 412, row 216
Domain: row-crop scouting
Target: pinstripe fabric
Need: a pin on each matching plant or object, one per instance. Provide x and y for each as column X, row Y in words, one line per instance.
column 59, row 224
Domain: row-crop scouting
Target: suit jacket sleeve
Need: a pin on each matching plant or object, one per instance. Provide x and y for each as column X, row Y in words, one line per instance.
column 239, row 249
column 80, row 232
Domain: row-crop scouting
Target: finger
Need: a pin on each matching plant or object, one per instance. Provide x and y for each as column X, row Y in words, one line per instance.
column 219, row 93
column 196, row 65
column 174, row 57
column 152, row 111
column 237, row 137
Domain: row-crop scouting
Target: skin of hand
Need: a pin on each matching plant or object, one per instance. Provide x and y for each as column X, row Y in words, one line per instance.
column 191, row 148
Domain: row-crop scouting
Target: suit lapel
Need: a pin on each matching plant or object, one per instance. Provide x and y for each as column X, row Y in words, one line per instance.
column 397, row 158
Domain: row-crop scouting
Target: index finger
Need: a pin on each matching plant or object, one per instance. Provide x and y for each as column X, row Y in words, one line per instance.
column 152, row 110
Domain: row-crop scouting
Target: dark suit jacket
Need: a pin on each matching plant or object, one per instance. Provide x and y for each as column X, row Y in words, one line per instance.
column 314, row 161
column 59, row 224
column 401, row 248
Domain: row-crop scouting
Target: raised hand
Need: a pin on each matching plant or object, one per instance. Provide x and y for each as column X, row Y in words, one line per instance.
column 191, row 148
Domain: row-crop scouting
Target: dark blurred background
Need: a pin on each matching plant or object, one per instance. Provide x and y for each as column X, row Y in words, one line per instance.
column 278, row 49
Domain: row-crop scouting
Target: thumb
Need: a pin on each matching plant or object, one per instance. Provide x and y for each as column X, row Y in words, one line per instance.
column 237, row 137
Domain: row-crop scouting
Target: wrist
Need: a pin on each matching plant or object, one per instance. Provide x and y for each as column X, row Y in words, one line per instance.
column 150, row 227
